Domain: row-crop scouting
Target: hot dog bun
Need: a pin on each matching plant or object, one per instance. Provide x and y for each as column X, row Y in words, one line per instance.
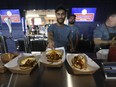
column 79, row 61
column 27, row 62
column 54, row 55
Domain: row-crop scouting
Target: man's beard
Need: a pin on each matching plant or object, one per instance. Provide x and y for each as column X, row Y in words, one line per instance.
column 60, row 22
column 71, row 22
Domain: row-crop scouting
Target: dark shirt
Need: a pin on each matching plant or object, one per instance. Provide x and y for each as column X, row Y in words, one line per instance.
column 74, row 33
column 103, row 33
column 61, row 35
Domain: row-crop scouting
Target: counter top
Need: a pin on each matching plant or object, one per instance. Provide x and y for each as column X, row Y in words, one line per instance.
column 55, row 77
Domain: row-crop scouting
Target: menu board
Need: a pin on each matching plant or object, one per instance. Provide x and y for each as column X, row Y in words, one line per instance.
column 13, row 14
column 84, row 14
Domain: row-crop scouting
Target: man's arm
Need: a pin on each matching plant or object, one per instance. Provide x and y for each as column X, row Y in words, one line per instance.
column 71, row 42
column 98, row 34
column 71, row 45
column 50, row 40
column 98, row 41
column 77, row 38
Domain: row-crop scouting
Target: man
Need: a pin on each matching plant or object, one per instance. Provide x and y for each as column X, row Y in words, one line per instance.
column 74, row 31
column 105, row 32
column 59, row 33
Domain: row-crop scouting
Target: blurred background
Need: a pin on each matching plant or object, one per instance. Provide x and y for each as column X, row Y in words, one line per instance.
column 39, row 14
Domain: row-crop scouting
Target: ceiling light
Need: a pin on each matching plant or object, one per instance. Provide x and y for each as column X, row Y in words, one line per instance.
column 50, row 15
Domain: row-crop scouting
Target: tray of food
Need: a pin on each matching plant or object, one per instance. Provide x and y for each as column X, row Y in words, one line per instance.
column 23, row 64
column 53, row 58
column 5, row 58
column 82, row 64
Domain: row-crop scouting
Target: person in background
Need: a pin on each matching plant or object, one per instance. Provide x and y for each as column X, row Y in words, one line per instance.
column 59, row 34
column 74, row 31
column 104, row 33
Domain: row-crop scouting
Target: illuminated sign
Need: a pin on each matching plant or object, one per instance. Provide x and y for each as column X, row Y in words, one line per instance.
column 13, row 14
column 84, row 14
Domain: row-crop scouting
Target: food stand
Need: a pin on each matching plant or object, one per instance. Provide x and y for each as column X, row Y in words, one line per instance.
column 43, row 76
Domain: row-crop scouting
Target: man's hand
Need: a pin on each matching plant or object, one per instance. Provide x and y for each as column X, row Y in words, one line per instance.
column 72, row 50
column 51, row 45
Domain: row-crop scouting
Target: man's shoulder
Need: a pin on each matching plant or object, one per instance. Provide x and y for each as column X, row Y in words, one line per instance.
column 74, row 27
column 101, row 27
column 52, row 25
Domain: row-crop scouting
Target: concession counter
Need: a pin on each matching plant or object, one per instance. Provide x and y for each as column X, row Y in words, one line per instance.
column 42, row 76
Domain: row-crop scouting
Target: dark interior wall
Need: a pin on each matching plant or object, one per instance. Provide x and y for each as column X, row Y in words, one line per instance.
column 104, row 7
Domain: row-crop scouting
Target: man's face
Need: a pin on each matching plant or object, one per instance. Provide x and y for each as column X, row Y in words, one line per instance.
column 60, row 15
column 71, row 20
column 113, row 20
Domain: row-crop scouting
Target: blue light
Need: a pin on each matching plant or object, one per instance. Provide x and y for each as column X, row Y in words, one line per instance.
column 84, row 14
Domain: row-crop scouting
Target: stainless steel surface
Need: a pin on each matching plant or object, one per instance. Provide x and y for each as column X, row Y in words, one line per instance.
column 4, row 79
column 54, row 77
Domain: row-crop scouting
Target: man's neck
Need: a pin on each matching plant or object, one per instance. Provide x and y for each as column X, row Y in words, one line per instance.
column 71, row 24
column 59, row 24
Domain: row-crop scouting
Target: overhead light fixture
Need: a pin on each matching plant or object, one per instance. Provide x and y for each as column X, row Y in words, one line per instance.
column 32, row 15
column 50, row 15
column 34, row 10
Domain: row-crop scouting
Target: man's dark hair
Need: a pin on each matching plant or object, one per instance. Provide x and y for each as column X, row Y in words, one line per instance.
column 72, row 15
column 110, row 14
column 60, row 7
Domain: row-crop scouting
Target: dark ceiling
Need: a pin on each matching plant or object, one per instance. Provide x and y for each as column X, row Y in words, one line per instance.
column 45, row 4
column 103, row 6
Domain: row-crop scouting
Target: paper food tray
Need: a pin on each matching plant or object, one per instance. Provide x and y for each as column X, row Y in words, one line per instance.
column 43, row 59
column 13, row 65
column 102, row 54
column 91, row 65
column 2, row 68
